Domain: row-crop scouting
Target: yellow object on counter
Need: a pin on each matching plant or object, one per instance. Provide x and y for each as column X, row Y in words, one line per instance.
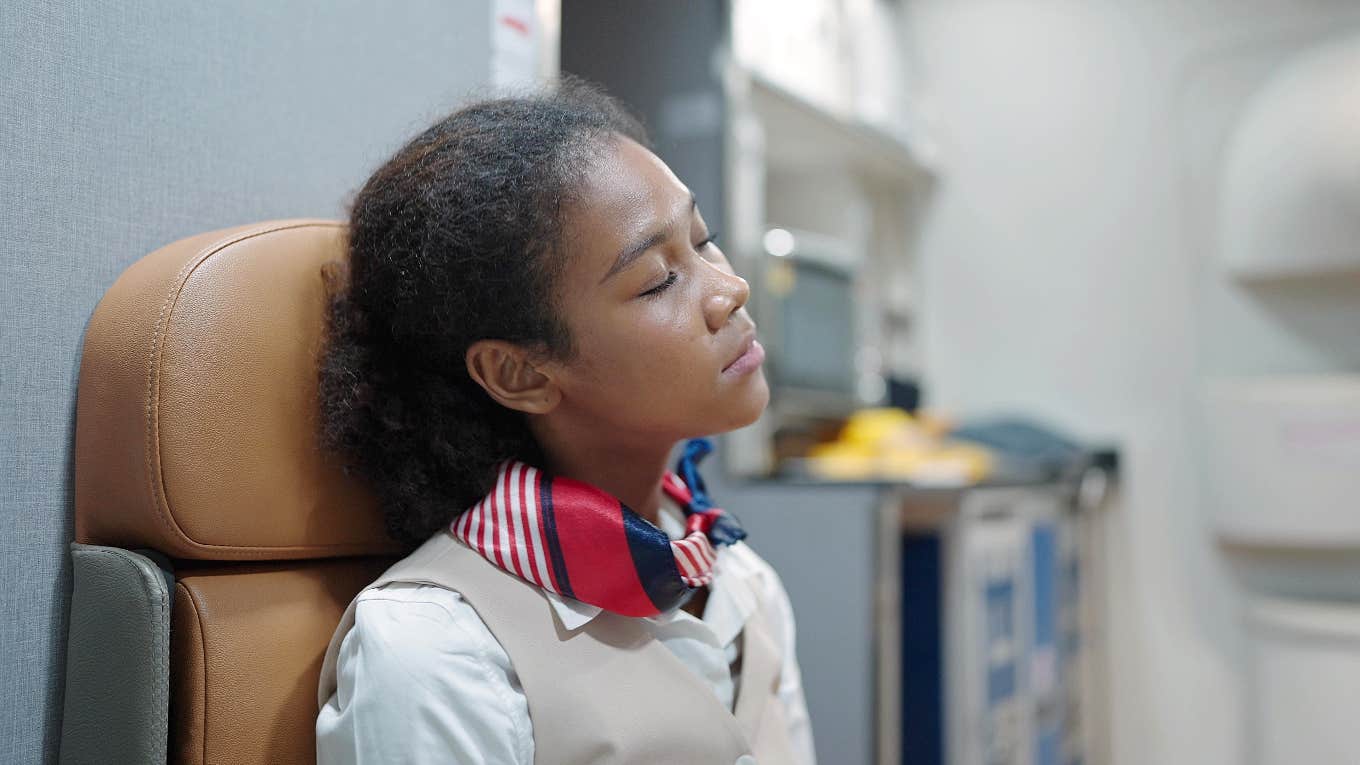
column 871, row 427
column 891, row 444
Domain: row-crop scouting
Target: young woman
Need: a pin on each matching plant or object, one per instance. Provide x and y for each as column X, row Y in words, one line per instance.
column 536, row 315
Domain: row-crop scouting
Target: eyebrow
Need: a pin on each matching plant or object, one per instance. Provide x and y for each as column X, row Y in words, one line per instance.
column 635, row 250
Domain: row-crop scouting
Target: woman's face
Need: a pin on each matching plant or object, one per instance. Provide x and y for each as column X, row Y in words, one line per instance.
column 664, row 345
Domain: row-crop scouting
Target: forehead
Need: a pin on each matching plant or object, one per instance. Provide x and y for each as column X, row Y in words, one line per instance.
column 628, row 193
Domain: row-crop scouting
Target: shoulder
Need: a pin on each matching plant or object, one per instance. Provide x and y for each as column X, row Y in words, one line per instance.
column 744, row 562
column 419, row 670
column 412, row 614
column 423, row 597
column 411, row 629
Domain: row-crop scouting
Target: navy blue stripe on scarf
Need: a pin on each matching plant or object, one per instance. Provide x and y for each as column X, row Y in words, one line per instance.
column 655, row 562
column 558, row 563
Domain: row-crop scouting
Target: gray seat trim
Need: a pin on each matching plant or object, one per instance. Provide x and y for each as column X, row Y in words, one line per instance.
column 117, row 659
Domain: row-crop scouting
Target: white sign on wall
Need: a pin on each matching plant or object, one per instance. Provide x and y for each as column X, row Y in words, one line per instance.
column 516, row 44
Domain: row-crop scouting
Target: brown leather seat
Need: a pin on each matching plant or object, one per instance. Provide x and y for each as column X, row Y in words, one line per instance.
column 195, row 439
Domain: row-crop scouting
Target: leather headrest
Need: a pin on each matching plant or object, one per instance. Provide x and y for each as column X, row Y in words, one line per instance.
column 196, row 416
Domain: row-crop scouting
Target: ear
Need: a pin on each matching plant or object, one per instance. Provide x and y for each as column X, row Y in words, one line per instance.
column 507, row 373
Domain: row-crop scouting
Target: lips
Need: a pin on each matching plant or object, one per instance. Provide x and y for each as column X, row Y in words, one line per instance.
column 751, row 355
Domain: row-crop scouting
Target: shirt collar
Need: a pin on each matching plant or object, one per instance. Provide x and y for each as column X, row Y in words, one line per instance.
column 571, row 612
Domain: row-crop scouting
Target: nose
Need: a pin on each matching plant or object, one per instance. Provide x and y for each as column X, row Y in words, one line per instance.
column 726, row 295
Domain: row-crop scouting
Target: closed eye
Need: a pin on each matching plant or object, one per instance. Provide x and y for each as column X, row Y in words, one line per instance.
column 662, row 287
column 712, row 239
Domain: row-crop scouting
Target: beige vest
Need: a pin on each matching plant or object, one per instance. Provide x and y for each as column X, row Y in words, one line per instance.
column 607, row 692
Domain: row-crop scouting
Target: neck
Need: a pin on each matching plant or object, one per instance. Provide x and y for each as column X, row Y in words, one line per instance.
column 629, row 470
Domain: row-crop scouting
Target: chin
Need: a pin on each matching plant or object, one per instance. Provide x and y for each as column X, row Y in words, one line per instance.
column 747, row 404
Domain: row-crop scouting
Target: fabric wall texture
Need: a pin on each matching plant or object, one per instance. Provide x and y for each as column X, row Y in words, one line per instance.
column 125, row 126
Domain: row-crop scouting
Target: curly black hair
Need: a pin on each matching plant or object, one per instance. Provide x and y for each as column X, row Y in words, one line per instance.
column 454, row 239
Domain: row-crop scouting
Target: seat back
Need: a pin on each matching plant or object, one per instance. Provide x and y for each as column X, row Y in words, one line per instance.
column 217, row 544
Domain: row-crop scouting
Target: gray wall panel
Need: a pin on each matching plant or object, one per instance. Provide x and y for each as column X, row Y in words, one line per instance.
column 659, row 58
column 821, row 540
column 126, row 126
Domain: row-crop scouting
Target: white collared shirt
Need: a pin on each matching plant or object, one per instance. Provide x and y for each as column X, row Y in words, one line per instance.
column 420, row 678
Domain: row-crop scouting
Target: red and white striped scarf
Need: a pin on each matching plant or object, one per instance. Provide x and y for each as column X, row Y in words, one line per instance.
column 579, row 541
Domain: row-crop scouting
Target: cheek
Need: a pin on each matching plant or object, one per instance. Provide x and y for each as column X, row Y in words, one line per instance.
column 643, row 350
